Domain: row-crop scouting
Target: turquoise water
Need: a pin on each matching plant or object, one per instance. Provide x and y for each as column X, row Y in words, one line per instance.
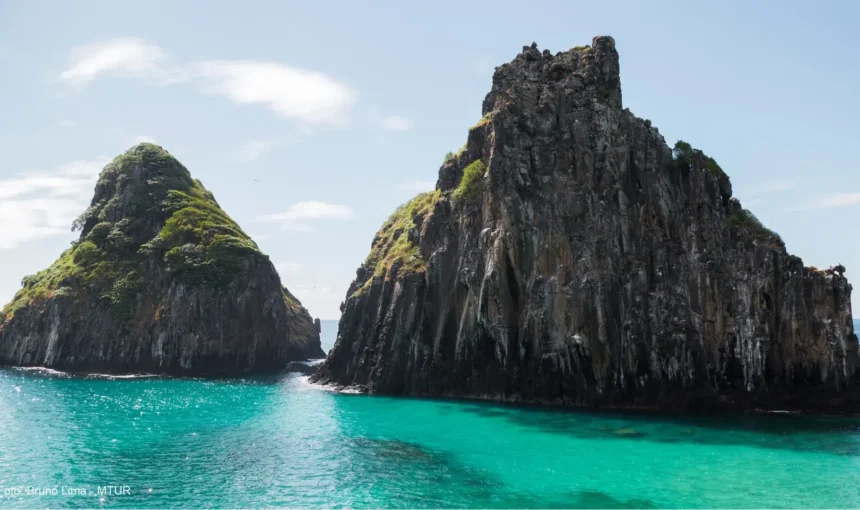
column 283, row 442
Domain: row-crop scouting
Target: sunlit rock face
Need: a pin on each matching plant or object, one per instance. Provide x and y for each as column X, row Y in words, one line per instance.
column 569, row 256
column 161, row 280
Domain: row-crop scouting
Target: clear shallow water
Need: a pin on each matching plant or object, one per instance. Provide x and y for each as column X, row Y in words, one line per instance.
column 282, row 442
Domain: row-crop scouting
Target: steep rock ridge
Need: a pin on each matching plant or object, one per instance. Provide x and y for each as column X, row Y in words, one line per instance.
column 161, row 280
column 569, row 256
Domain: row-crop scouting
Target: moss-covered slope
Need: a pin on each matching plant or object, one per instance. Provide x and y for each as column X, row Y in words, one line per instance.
column 161, row 279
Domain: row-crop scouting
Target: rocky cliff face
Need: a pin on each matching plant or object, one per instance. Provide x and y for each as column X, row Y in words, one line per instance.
column 568, row 255
column 161, row 280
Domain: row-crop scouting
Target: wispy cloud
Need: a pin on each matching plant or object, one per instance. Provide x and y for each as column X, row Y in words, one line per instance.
column 301, row 215
column 777, row 186
column 768, row 187
column 417, row 186
column 830, row 201
column 127, row 57
column 758, row 192
column 377, row 120
column 142, row 139
column 255, row 149
column 290, row 92
column 43, row 204
column 67, row 123
column 397, row 123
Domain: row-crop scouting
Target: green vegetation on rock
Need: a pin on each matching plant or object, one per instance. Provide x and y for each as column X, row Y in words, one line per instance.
column 689, row 158
column 484, row 120
column 201, row 243
column 396, row 242
column 393, row 243
column 748, row 223
column 472, row 182
column 79, row 269
column 451, row 156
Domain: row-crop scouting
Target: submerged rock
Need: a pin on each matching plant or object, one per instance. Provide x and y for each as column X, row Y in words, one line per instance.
column 568, row 255
column 161, row 280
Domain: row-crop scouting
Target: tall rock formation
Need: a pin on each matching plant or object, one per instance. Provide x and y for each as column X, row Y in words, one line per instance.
column 569, row 256
column 161, row 280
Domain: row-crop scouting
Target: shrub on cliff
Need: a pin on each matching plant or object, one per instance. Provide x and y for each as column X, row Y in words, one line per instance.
column 746, row 221
column 690, row 158
column 472, row 182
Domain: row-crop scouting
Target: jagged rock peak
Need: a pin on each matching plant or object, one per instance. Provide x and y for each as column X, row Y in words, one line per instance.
column 569, row 256
column 579, row 67
column 160, row 280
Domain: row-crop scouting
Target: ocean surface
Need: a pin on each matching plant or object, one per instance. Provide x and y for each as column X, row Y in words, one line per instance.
column 283, row 442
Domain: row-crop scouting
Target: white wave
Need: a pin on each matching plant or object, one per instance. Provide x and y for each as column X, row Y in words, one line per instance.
column 332, row 388
column 59, row 373
column 43, row 370
column 124, row 376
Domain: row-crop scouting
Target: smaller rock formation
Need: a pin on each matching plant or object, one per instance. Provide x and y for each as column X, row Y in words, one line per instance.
column 161, row 280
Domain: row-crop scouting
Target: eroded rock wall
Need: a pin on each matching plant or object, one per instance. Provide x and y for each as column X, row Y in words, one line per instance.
column 595, row 267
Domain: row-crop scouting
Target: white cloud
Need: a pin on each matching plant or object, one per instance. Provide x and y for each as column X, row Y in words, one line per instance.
column 830, row 201
column 67, row 123
column 290, row 92
column 142, row 139
column 299, row 216
column 377, row 120
column 397, row 123
column 254, row 149
column 776, row 186
column 43, row 204
column 417, row 186
column 127, row 57
column 771, row 187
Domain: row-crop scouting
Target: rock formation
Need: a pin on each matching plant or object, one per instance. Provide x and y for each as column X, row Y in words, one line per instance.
column 161, row 280
column 569, row 256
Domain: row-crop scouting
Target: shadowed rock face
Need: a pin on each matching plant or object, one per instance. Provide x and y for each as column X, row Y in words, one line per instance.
column 589, row 264
column 161, row 280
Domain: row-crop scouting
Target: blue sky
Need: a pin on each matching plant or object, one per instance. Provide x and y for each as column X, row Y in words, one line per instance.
column 312, row 121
